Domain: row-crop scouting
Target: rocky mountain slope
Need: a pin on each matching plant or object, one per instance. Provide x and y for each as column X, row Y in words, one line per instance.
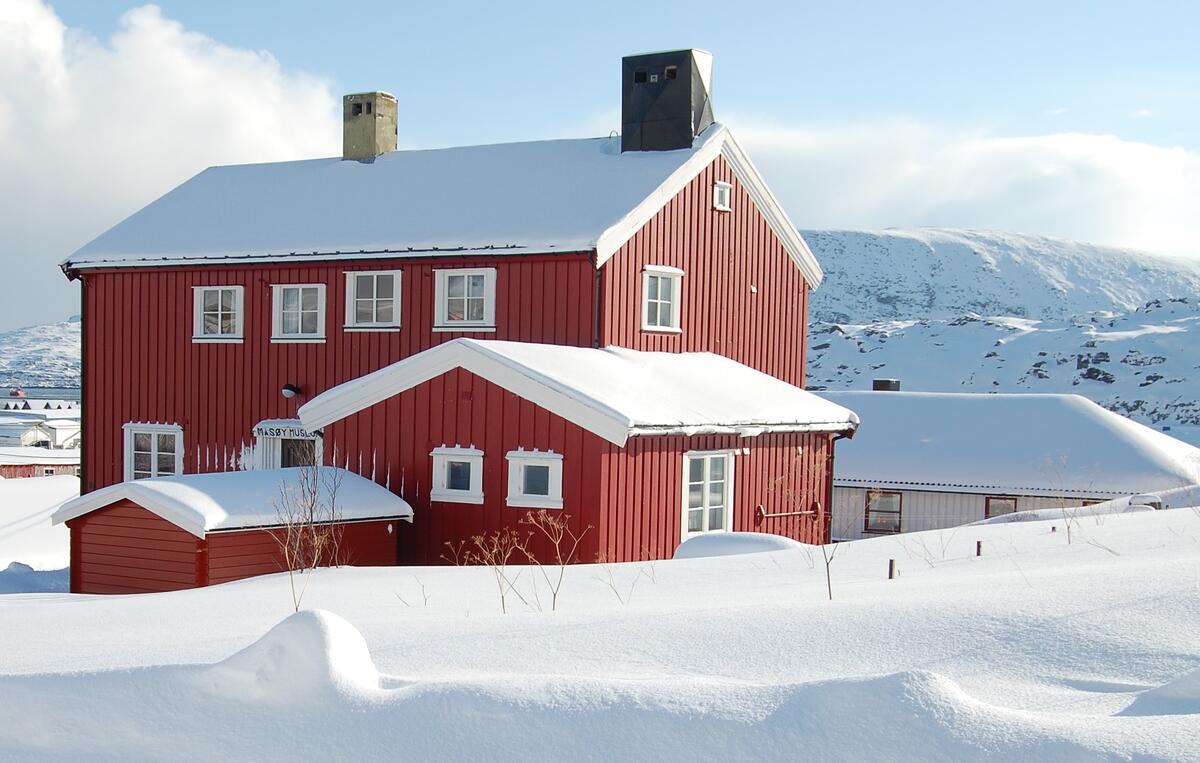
column 41, row 356
column 953, row 310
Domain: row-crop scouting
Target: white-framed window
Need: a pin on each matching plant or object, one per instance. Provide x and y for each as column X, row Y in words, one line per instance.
column 457, row 475
column 217, row 313
column 373, row 300
column 535, row 479
column 280, row 443
column 465, row 299
column 707, row 492
column 152, row 450
column 47, row 471
column 660, row 298
column 298, row 312
column 722, row 196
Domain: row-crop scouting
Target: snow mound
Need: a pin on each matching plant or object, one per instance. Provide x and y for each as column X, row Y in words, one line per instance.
column 1178, row 697
column 732, row 544
column 310, row 655
column 21, row 578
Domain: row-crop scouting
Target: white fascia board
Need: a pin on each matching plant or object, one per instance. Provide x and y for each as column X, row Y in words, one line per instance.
column 155, row 503
column 350, row 397
column 741, row 430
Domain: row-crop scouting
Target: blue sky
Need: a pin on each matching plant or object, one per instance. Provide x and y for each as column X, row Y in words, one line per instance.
column 1066, row 119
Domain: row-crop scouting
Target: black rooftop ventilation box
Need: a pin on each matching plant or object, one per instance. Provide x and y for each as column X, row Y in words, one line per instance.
column 666, row 99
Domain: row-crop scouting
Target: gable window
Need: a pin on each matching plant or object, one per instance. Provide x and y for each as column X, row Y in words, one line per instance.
column 465, row 299
column 722, row 196
column 153, row 450
column 373, row 300
column 457, row 475
column 217, row 313
column 299, row 312
column 707, row 492
column 883, row 512
column 994, row 507
column 660, row 298
column 535, row 479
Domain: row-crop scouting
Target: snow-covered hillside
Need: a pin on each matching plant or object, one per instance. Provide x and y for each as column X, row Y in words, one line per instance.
column 41, row 356
column 951, row 310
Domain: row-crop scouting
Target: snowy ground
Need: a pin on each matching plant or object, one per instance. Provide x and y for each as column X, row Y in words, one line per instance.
column 33, row 553
column 1038, row 649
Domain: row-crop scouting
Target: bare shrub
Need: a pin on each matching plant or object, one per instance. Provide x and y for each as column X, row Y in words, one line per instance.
column 309, row 530
column 497, row 551
column 557, row 530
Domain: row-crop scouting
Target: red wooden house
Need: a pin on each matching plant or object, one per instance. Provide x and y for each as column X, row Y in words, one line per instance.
column 241, row 320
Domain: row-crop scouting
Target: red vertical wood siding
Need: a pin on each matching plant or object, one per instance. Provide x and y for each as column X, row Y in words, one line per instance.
column 460, row 408
column 124, row 548
column 641, row 508
column 142, row 365
column 237, row 554
column 17, row 471
column 742, row 295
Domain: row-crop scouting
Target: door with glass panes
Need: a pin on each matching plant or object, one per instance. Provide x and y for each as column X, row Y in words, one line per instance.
column 708, row 493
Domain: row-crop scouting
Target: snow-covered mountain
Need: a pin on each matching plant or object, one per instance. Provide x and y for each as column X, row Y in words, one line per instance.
column 40, row 356
column 953, row 310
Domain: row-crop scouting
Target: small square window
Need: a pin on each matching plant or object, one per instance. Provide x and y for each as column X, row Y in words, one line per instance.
column 356, row 109
column 535, row 479
column 217, row 314
column 883, row 512
column 152, row 450
column 722, row 196
column 671, row 72
column 465, row 299
column 661, row 298
column 457, row 475
column 639, row 77
column 299, row 312
column 994, row 507
column 373, row 300
column 367, row 108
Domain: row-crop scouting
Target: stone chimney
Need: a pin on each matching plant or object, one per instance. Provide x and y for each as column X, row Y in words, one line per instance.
column 368, row 125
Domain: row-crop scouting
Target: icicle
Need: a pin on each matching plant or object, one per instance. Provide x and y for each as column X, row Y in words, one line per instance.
column 387, row 481
column 359, row 470
column 372, row 464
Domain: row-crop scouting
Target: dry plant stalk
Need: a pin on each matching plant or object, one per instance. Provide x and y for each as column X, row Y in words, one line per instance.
column 309, row 530
column 497, row 550
column 558, row 532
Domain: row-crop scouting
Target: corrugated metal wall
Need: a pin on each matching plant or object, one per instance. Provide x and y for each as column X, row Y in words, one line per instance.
column 743, row 296
column 142, row 365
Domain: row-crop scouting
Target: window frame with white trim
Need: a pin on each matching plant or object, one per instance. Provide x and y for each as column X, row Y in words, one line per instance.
column 200, row 312
column 706, row 457
column 154, row 452
column 444, row 458
column 520, row 462
column 354, row 300
column 278, row 317
column 657, row 275
column 723, row 196
column 442, row 296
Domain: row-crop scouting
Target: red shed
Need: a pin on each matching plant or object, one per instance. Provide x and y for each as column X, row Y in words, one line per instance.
column 23, row 461
column 169, row 533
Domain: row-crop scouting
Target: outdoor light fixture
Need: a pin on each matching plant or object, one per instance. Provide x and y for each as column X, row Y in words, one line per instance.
column 289, row 391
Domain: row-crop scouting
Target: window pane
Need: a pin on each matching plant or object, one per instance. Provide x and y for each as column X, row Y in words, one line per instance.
column 364, row 287
column 140, row 475
column 383, row 287
column 652, row 314
column 475, row 309
column 228, row 324
column 537, row 480
column 291, row 323
column 458, row 475
column 883, row 522
column 696, row 521
column 166, row 443
column 141, row 441
column 716, row 468
column 665, row 317
column 210, row 301
column 476, row 286
column 363, row 311
column 652, row 287
column 716, row 494
column 166, row 463
column 666, row 288
column 695, row 495
column 383, row 311
column 716, row 518
column 141, row 462
column 456, row 286
column 291, row 299
column 227, row 300
column 308, row 299
column 696, row 470
column 211, row 324
column 308, row 323
column 455, row 309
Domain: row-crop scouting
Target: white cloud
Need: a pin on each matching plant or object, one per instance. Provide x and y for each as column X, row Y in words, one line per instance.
column 1095, row 188
column 92, row 130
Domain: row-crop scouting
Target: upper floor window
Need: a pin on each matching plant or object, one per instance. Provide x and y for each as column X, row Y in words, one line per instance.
column 153, row 450
column 722, row 196
column 217, row 313
column 299, row 312
column 660, row 298
column 535, row 479
column 457, row 475
column 883, row 512
column 465, row 299
column 373, row 300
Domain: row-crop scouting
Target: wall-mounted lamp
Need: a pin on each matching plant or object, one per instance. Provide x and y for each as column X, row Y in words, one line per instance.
column 289, row 391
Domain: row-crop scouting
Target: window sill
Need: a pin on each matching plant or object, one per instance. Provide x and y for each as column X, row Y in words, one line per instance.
column 722, row 209
column 465, row 329
column 453, row 496
column 298, row 339
column 216, row 340
column 352, row 327
column 533, row 502
column 661, row 330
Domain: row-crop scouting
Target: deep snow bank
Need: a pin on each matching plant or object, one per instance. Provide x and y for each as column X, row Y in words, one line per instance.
column 730, row 544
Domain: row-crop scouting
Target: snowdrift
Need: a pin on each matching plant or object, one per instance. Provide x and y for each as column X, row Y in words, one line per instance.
column 729, row 544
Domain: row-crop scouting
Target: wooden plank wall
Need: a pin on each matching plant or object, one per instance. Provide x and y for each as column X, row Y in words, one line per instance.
column 143, row 366
column 124, row 548
column 743, row 296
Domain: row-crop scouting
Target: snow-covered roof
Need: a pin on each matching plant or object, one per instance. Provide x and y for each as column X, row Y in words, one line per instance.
column 202, row 503
column 1025, row 444
column 19, row 456
column 612, row 392
column 516, row 198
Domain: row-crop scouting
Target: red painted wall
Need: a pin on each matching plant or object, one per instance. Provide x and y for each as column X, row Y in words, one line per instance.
column 17, row 471
column 141, row 364
column 241, row 554
column 723, row 255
